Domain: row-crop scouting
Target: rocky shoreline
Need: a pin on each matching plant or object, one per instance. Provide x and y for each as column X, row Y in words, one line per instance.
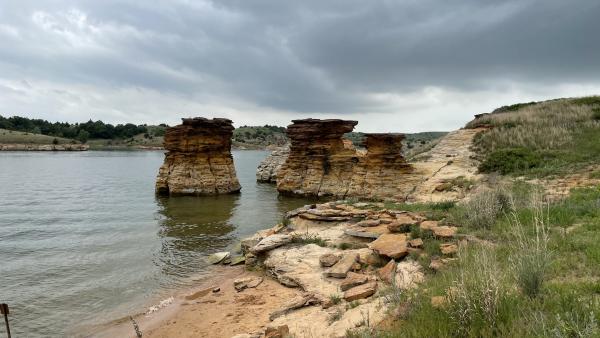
column 44, row 147
column 325, row 270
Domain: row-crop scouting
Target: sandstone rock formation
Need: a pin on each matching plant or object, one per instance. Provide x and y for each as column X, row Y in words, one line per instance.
column 267, row 170
column 322, row 163
column 198, row 159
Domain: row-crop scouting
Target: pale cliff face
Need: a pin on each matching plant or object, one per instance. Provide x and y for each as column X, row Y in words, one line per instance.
column 198, row 159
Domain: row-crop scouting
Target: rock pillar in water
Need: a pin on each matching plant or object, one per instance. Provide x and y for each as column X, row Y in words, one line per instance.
column 198, row 159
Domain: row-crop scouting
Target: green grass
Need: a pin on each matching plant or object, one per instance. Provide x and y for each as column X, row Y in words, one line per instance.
column 19, row 137
column 308, row 239
column 548, row 138
column 541, row 279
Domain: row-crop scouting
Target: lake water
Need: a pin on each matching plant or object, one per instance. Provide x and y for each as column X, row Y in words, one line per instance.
column 84, row 240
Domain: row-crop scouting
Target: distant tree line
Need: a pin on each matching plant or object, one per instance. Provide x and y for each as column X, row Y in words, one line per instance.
column 79, row 131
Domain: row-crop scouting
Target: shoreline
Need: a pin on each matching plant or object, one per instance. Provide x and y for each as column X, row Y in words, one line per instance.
column 197, row 311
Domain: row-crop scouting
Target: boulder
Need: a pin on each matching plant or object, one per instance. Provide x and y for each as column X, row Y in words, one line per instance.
column 444, row 231
column 402, row 223
column 409, row 274
column 341, row 268
column 271, row 242
column 352, row 280
column 390, row 245
column 237, row 260
column 360, row 292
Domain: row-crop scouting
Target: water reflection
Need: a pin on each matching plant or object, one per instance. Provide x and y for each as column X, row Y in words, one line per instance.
column 190, row 228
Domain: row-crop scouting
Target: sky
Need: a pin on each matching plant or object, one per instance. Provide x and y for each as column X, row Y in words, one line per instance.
column 394, row 66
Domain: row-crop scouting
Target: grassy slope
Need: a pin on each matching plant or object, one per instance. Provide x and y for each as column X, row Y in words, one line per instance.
column 18, row 137
column 540, row 276
column 546, row 138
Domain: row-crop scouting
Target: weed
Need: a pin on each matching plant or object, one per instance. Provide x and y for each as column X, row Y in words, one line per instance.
column 335, row 299
column 352, row 304
column 308, row 239
column 335, row 316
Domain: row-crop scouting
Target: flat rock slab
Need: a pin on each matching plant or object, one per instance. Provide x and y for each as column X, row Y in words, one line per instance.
column 341, row 268
column 428, row 225
column 390, row 245
column 361, row 233
column 218, row 257
column 360, row 292
column 369, row 223
column 444, row 231
column 352, row 280
column 328, row 260
column 270, row 243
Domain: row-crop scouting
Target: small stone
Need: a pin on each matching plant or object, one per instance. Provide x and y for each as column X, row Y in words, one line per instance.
column 328, row 260
column 215, row 290
column 360, row 292
column 388, row 272
column 352, row 280
column 218, row 257
column 248, row 282
column 390, row 245
column 341, row 268
column 416, row 243
column 448, row 248
column 444, row 231
column 369, row 223
column 428, row 225
column 277, row 332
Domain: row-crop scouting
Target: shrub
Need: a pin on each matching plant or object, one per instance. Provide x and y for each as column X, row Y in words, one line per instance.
column 596, row 114
column 482, row 210
column 308, row 239
column 335, row 299
column 510, row 160
column 531, row 257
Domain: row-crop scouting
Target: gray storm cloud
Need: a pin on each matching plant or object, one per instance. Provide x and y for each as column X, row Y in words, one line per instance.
column 399, row 65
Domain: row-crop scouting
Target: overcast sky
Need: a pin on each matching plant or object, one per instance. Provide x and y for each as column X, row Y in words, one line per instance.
column 406, row 65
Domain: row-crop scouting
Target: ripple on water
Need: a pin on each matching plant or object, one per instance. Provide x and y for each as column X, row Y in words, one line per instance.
column 84, row 240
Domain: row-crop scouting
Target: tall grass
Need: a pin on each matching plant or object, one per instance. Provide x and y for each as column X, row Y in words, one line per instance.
column 482, row 210
column 478, row 293
column 531, row 256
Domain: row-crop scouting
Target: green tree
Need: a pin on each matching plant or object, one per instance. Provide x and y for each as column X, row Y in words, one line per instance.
column 83, row 136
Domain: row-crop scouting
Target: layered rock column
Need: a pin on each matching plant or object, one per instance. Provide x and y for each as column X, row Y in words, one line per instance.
column 322, row 163
column 319, row 162
column 198, row 159
column 380, row 172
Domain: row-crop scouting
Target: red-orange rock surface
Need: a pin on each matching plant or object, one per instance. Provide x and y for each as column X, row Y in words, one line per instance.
column 198, row 159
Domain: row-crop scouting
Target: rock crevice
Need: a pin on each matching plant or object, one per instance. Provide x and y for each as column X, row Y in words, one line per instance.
column 198, row 159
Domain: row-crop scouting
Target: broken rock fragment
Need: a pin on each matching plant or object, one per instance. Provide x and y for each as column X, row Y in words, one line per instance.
column 360, row 292
column 271, row 242
column 341, row 268
column 352, row 280
column 390, row 245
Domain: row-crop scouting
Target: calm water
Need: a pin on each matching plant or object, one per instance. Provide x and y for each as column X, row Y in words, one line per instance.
column 84, row 240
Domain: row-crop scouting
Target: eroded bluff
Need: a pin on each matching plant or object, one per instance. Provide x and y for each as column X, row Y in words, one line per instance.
column 322, row 163
column 198, row 159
